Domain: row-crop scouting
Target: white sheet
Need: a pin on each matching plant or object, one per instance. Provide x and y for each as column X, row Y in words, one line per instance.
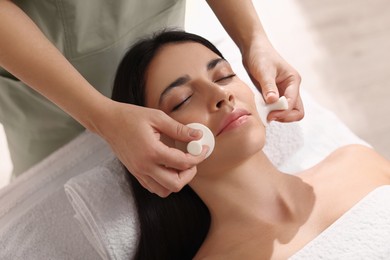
column 361, row 233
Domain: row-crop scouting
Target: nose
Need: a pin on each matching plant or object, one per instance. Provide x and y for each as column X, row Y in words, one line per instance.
column 220, row 98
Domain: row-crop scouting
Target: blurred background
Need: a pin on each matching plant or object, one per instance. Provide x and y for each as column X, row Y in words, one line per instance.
column 340, row 48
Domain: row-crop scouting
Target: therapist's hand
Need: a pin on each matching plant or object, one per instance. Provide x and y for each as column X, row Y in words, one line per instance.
column 274, row 77
column 134, row 132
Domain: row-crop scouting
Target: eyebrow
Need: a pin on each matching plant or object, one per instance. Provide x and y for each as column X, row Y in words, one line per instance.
column 184, row 79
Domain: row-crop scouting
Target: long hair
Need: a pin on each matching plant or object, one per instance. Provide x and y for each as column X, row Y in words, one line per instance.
column 173, row 227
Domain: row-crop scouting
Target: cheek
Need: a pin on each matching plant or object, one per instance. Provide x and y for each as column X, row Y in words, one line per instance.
column 243, row 92
column 247, row 100
column 185, row 120
column 194, row 113
column 249, row 97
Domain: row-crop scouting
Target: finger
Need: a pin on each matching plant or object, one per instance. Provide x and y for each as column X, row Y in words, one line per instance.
column 176, row 159
column 143, row 184
column 296, row 114
column 291, row 93
column 178, row 131
column 270, row 91
column 186, row 176
column 278, row 115
column 292, row 115
column 168, row 180
column 264, row 80
column 155, row 187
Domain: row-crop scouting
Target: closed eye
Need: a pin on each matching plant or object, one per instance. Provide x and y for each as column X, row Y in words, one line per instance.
column 225, row 78
column 181, row 103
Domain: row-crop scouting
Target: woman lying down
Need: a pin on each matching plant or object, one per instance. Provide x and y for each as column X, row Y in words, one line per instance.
column 238, row 206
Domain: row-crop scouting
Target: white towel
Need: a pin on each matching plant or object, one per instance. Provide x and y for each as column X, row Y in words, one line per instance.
column 105, row 209
column 361, row 233
column 283, row 140
column 323, row 132
column 36, row 219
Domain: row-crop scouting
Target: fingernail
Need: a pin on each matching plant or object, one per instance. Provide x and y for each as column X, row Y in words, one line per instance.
column 195, row 133
column 270, row 94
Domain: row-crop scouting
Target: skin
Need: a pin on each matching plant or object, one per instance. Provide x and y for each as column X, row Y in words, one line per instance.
column 29, row 55
column 257, row 211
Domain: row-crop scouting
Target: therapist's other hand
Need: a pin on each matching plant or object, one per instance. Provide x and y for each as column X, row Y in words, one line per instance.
column 274, row 77
column 134, row 133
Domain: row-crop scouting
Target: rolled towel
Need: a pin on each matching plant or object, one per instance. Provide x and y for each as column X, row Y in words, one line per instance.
column 105, row 210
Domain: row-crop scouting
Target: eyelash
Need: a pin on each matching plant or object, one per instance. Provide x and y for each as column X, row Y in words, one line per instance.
column 181, row 103
column 216, row 81
column 226, row 77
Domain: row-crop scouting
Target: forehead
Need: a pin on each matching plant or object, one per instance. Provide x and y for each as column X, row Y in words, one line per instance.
column 172, row 61
column 184, row 54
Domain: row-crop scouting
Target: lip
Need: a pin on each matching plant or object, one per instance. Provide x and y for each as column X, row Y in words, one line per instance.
column 231, row 118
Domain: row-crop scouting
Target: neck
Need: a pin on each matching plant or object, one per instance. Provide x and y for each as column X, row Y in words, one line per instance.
column 254, row 193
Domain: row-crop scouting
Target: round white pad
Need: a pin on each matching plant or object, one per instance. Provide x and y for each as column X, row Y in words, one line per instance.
column 195, row 147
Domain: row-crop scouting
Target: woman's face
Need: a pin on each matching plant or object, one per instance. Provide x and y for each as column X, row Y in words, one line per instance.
column 191, row 83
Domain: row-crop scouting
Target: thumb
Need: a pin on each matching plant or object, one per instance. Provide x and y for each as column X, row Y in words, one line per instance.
column 269, row 90
column 178, row 131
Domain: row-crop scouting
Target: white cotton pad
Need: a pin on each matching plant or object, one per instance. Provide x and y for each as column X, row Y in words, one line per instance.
column 195, row 147
column 264, row 109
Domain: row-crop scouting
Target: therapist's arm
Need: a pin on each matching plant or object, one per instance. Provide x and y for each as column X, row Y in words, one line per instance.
column 271, row 74
column 132, row 131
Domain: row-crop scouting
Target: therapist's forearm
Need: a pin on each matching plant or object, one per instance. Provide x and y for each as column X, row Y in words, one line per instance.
column 240, row 20
column 27, row 54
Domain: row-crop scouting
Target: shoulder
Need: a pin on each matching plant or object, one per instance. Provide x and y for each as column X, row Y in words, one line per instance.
column 361, row 157
column 353, row 150
column 350, row 173
column 355, row 168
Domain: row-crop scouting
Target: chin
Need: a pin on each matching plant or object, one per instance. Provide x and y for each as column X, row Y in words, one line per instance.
column 234, row 147
column 244, row 145
column 248, row 138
